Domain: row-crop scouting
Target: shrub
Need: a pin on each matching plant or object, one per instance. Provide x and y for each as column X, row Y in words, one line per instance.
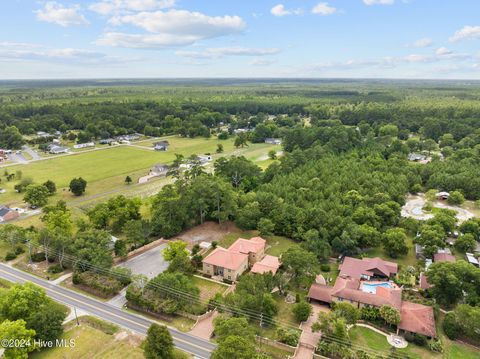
column 450, row 326
column 104, row 284
column 370, row 314
column 10, row 256
column 19, row 250
column 436, row 346
column 38, row 257
column 123, row 275
column 420, row 339
column 55, row 269
column 302, row 311
column 409, row 337
column 289, row 337
column 325, row 267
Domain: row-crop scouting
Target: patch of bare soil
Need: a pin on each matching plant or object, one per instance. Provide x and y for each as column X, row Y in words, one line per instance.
column 207, row 232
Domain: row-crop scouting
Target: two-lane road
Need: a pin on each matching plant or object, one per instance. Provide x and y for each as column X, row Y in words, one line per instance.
column 136, row 323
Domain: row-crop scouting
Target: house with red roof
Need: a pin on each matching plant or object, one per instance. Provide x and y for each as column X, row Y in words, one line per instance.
column 231, row 263
column 364, row 283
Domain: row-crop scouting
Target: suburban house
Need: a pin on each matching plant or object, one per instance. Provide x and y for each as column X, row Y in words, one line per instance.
column 160, row 169
column 443, row 257
column 364, row 283
column 84, row 145
column 267, row 264
column 367, row 268
column 106, row 141
column 273, row 141
column 161, row 146
column 230, row 263
column 55, row 150
column 7, row 214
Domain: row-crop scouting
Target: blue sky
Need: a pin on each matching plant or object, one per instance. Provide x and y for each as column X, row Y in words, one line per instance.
column 437, row 39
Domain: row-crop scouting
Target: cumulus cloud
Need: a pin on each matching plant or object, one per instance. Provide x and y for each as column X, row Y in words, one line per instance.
column 228, row 51
column 56, row 13
column 378, row 2
column 467, row 32
column 423, row 42
column 108, row 7
column 280, row 10
column 170, row 28
column 442, row 51
column 323, row 9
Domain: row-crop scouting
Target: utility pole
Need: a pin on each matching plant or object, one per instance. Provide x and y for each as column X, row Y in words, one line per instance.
column 76, row 317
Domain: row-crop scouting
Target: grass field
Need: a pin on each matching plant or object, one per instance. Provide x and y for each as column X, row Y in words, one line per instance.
column 91, row 343
column 105, row 169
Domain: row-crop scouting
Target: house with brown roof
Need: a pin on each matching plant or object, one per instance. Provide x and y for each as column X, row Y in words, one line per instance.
column 7, row 214
column 367, row 268
column 267, row 264
column 417, row 318
column 443, row 257
column 364, row 283
column 226, row 264
column 230, row 263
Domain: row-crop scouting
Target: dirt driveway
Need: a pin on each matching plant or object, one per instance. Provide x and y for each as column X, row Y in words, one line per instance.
column 414, row 204
column 207, row 232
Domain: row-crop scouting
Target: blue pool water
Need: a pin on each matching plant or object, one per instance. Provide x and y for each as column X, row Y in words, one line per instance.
column 372, row 287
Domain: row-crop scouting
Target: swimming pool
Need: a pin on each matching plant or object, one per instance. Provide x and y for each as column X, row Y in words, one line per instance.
column 372, row 287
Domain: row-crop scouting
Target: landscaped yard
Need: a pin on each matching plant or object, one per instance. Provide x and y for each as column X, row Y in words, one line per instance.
column 366, row 338
column 407, row 260
column 208, row 288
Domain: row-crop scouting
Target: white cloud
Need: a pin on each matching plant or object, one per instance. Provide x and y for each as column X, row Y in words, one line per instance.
column 35, row 52
column 261, row 62
column 182, row 22
column 323, row 9
column 107, row 7
column 228, row 51
column 467, row 32
column 280, row 10
column 424, row 42
column 56, row 13
column 442, row 51
column 378, row 2
column 145, row 41
column 170, row 28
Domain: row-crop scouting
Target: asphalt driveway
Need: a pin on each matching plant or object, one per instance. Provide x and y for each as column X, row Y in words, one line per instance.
column 149, row 263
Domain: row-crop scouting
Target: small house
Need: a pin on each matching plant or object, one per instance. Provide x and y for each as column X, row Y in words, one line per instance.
column 416, row 157
column 161, row 146
column 442, row 195
column 273, row 141
column 107, row 141
column 7, row 214
column 55, row 150
column 84, row 145
column 159, row 169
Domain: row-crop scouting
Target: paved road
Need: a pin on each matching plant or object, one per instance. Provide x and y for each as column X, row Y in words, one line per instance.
column 200, row 348
column 149, row 263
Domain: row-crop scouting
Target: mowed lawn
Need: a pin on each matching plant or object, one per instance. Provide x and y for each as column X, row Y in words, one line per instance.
column 105, row 169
